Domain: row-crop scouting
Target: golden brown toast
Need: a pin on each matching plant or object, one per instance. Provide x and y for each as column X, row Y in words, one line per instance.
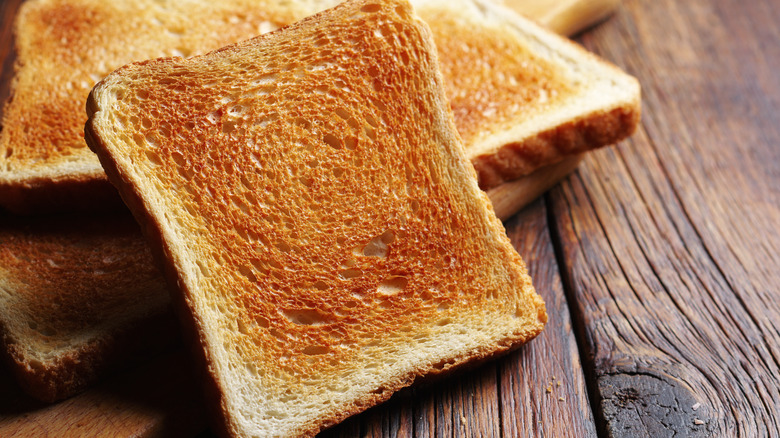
column 78, row 298
column 523, row 98
column 311, row 201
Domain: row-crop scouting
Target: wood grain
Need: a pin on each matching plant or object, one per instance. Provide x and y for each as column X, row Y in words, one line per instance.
column 543, row 387
column 670, row 241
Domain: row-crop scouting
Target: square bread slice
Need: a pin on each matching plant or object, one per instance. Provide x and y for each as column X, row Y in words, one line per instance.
column 312, row 205
column 523, row 97
column 79, row 297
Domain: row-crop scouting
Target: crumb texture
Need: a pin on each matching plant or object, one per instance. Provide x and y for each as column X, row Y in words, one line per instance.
column 320, row 214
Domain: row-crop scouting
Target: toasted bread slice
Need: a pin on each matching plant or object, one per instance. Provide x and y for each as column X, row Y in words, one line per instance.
column 311, row 201
column 523, row 98
column 78, row 297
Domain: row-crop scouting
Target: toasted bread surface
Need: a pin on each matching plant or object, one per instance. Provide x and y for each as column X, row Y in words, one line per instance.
column 310, row 198
column 522, row 97
column 78, row 296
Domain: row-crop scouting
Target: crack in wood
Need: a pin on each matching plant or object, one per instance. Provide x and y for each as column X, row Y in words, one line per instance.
column 643, row 404
column 581, row 334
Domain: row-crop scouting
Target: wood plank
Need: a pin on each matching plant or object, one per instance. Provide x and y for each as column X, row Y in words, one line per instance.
column 670, row 241
column 543, row 387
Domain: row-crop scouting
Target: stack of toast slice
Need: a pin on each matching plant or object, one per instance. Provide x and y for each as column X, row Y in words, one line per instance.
column 563, row 102
column 523, row 97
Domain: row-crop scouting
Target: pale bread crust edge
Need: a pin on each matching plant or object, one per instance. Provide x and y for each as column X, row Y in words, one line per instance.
column 80, row 368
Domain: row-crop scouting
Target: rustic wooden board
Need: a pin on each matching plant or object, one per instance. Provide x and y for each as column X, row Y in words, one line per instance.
column 544, row 391
column 670, row 242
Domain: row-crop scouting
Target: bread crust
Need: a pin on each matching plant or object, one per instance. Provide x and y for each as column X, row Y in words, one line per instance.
column 78, row 369
column 515, row 160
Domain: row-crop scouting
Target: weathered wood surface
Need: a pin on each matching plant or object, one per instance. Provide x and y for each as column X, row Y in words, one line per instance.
column 669, row 243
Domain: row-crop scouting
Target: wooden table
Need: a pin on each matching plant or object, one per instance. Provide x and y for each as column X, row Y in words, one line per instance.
column 658, row 259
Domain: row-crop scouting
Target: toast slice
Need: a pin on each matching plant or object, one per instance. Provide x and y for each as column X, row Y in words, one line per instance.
column 523, row 97
column 78, row 297
column 311, row 202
